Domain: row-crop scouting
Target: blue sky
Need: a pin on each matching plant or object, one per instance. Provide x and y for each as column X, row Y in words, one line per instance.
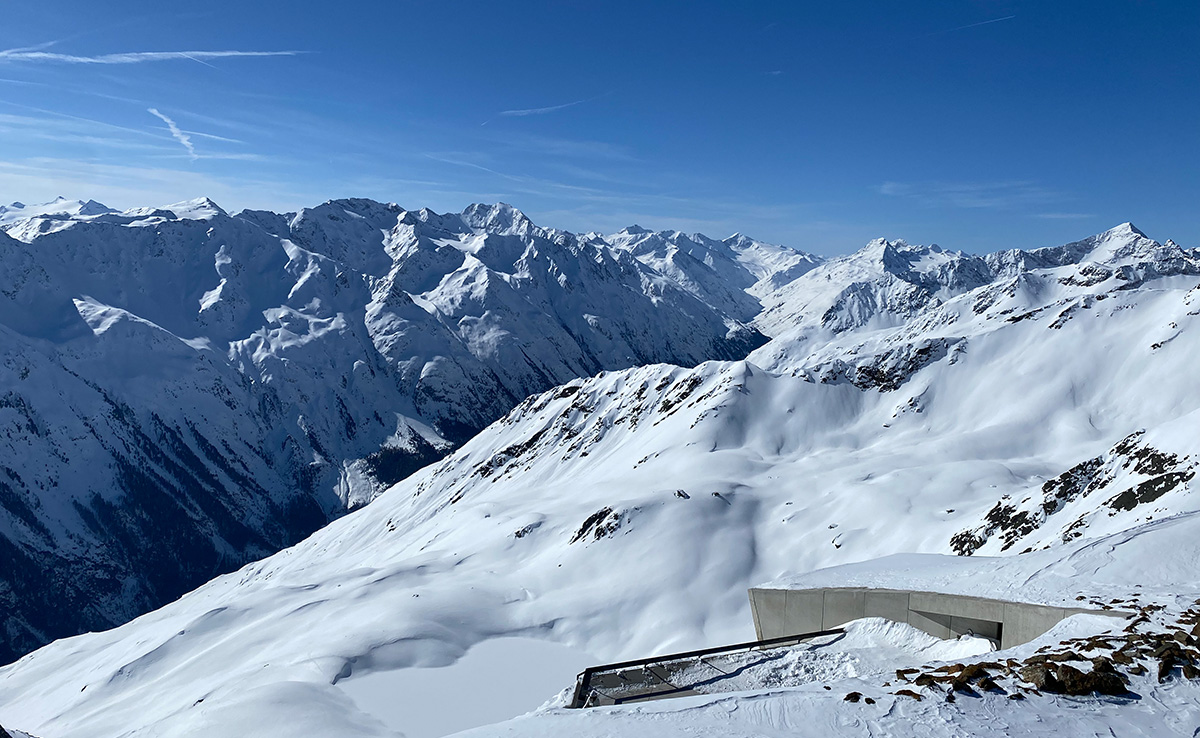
column 977, row 124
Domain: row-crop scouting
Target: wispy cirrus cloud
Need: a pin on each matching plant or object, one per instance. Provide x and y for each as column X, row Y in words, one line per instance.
column 1001, row 195
column 542, row 111
column 551, row 108
column 554, row 146
column 183, row 139
column 459, row 160
column 33, row 48
column 34, row 54
column 22, row 130
column 214, row 137
column 47, row 117
column 597, row 207
column 1065, row 216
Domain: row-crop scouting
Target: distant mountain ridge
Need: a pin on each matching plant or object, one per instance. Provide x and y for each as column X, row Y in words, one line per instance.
column 732, row 274
column 59, row 207
column 184, row 390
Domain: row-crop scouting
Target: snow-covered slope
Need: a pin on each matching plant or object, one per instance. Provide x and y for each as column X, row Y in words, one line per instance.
column 885, row 283
column 731, row 274
column 891, row 294
column 59, row 207
column 626, row 514
column 183, row 390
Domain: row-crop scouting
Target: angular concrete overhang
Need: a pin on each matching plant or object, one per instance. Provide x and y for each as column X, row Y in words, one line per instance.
column 782, row 612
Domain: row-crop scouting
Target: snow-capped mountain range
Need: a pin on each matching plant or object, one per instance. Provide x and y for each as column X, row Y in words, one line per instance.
column 910, row 400
column 186, row 390
column 59, row 207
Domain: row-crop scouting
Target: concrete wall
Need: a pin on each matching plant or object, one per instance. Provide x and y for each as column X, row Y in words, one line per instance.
column 783, row 612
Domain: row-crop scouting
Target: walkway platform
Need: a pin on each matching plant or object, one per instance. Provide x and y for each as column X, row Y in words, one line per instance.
column 681, row 674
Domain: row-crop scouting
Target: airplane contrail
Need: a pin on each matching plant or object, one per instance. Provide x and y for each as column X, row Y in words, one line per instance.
column 552, row 108
column 971, row 25
column 184, row 139
column 135, row 57
column 543, row 111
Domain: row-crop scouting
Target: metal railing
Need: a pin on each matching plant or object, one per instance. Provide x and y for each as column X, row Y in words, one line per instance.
column 654, row 673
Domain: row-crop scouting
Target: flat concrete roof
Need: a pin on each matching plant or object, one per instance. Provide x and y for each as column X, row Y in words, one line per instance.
column 779, row 611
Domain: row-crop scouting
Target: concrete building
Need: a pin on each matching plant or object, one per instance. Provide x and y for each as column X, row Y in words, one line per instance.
column 783, row 612
column 785, row 617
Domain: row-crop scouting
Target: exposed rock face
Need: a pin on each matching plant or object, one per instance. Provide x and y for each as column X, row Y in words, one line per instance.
column 1141, row 472
column 1052, row 671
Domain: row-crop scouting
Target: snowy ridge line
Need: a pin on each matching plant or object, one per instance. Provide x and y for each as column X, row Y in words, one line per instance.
column 582, row 694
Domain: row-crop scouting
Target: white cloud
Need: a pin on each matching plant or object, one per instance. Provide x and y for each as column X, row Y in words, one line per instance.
column 136, row 57
column 1000, row 195
column 550, row 109
column 213, row 137
column 184, row 139
column 562, row 147
column 541, row 111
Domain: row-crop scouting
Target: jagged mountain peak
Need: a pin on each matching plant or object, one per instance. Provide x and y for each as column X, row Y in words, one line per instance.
column 200, row 208
column 928, row 266
column 499, row 217
column 877, row 249
column 1124, row 229
column 732, row 273
column 1120, row 243
column 425, row 218
column 741, row 241
column 1122, row 253
column 1117, row 237
column 886, row 254
column 361, row 205
column 883, row 282
column 91, row 207
column 356, row 214
column 641, row 241
column 633, row 230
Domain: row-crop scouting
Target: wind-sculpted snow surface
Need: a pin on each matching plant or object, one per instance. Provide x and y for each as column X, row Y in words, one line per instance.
column 626, row 514
column 183, row 391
